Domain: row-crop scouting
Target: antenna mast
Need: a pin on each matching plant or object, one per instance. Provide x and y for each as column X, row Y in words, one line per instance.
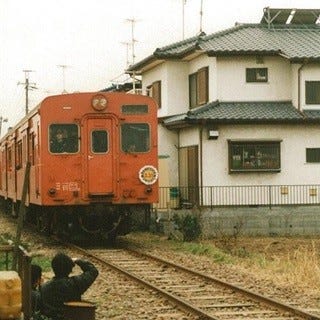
column 201, row 14
column 63, row 67
column 133, row 40
column 127, row 44
column 183, row 4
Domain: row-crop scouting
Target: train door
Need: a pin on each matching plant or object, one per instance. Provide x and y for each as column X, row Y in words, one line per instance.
column 99, row 157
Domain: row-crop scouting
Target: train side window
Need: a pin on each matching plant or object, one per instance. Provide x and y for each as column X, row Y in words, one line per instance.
column 135, row 137
column 32, row 148
column 9, row 159
column 19, row 155
column 99, row 141
column 63, row 138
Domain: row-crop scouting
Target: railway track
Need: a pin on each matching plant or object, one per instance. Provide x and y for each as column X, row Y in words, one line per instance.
column 198, row 294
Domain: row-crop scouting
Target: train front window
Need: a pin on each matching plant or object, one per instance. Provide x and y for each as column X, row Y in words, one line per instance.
column 135, row 137
column 99, row 141
column 63, row 138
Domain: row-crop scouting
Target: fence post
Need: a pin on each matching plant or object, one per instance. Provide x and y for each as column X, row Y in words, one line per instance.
column 270, row 198
column 22, row 210
column 26, row 284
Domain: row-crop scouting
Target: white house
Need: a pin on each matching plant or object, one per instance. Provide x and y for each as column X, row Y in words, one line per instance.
column 241, row 107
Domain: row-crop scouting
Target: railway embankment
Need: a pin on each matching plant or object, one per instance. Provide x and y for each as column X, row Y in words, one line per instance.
column 285, row 268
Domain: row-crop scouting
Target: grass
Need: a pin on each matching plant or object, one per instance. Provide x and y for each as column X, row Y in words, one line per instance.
column 6, row 258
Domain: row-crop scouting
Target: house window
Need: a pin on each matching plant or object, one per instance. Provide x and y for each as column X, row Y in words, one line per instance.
column 256, row 75
column 154, row 91
column 312, row 92
column 254, row 156
column 312, row 155
column 198, row 88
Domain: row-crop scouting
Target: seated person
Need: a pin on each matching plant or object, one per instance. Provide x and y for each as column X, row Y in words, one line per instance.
column 36, row 278
column 64, row 288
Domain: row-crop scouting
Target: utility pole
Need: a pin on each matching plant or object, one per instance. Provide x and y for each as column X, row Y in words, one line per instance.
column 27, row 87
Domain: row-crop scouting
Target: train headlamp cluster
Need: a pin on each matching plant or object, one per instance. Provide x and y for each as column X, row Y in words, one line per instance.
column 99, row 102
column 148, row 175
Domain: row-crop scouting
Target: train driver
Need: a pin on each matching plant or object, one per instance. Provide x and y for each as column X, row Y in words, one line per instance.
column 59, row 142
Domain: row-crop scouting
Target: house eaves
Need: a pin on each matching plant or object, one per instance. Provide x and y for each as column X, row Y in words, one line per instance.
column 182, row 50
column 144, row 65
column 243, row 112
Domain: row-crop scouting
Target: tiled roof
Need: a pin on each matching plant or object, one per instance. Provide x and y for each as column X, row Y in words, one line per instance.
column 312, row 114
column 293, row 41
column 245, row 112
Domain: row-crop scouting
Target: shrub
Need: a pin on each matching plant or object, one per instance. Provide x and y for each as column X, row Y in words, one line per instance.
column 189, row 226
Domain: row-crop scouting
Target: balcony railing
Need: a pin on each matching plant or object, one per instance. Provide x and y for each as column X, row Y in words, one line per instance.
column 221, row 196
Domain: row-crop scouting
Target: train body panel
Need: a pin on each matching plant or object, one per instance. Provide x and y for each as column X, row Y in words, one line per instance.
column 84, row 149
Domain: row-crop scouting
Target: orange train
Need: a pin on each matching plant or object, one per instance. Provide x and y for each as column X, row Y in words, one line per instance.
column 93, row 162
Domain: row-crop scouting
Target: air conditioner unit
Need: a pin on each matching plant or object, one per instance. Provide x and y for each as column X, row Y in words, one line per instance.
column 213, row 134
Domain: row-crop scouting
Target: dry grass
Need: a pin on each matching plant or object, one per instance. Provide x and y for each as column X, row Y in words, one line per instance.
column 288, row 262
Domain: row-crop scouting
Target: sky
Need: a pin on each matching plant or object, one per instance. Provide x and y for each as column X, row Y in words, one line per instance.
column 85, row 45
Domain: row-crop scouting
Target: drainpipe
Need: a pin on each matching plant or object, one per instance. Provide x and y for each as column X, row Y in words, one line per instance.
column 201, row 163
column 299, row 83
column 178, row 148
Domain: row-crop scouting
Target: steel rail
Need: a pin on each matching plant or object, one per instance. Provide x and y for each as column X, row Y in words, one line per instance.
column 186, row 305
column 266, row 300
column 181, row 302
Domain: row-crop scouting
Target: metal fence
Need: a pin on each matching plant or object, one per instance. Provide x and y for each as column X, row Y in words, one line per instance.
column 253, row 195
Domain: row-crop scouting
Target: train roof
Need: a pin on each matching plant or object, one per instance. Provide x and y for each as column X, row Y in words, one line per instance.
column 33, row 111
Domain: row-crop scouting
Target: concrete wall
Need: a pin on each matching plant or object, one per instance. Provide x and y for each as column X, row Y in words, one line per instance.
column 248, row 221
column 232, row 85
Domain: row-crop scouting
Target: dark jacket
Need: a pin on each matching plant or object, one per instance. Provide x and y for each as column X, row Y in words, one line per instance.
column 57, row 291
column 35, row 301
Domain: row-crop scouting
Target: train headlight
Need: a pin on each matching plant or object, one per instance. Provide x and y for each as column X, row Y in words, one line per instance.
column 52, row 192
column 148, row 175
column 99, row 102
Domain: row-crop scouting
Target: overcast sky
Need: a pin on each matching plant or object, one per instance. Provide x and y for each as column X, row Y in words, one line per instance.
column 88, row 37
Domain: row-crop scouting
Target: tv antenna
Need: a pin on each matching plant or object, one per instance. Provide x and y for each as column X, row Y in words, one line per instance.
column 133, row 40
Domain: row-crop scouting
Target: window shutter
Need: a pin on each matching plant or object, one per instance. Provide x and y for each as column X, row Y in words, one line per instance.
column 156, row 92
column 193, row 90
column 202, row 86
column 312, row 92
